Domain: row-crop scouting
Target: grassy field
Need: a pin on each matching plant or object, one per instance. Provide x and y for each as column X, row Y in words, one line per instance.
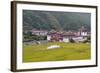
column 67, row 51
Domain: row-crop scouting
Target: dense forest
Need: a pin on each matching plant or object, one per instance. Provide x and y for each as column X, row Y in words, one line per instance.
column 48, row 20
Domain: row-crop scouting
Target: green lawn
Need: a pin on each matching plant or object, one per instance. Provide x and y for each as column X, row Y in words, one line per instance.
column 67, row 51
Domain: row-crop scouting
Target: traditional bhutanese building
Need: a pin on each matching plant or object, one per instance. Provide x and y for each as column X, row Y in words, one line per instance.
column 80, row 35
column 39, row 32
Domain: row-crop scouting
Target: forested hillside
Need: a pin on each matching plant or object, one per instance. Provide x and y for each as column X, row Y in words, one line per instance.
column 49, row 20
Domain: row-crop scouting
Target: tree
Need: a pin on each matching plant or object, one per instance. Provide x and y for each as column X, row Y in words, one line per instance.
column 71, row 40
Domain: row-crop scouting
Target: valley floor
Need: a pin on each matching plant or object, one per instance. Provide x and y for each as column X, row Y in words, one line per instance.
column 66, row 51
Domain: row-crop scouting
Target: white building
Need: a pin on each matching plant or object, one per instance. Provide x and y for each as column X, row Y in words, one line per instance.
column 66, row 39
column 39, row 32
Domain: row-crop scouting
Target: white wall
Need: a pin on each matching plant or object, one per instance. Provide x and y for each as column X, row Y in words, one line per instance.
column 5, row 38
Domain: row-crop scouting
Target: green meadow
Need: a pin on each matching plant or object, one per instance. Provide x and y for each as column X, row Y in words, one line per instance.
column 67, row 51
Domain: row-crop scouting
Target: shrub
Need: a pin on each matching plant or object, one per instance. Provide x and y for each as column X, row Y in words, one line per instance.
column 71, row 40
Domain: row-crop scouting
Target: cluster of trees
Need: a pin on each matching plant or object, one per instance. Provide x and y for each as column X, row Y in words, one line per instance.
column 88, row 40
column 48, row 20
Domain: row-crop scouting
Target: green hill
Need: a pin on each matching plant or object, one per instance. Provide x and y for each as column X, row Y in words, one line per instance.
column 49, row 20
